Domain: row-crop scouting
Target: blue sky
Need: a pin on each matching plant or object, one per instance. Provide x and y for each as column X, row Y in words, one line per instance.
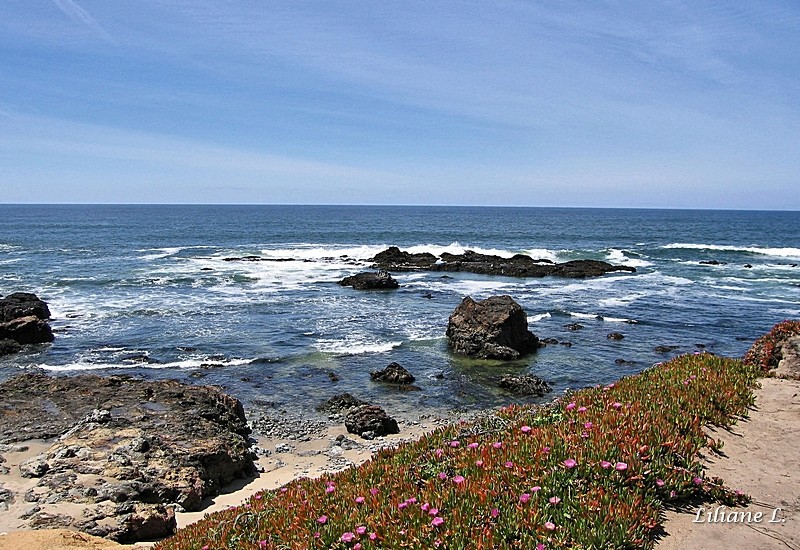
column 641, row 104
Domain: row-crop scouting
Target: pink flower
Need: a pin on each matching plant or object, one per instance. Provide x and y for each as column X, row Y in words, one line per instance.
column 571, row 406
column 550, row 526
column 620, row 466
column 454, row 444
column 402, row 505
column 540, row 546
column 357, row 546
column 546, row 450
column 588, row 425
column 330, row 489
column 317, row 535
column 425, row 507
column 605, row 464
column 494, row 513
column 535, row 489
column 660, row 482
column 581, row 409
column 359, row 500
column 697, row 480
column 373, row 491
column 437, row 521
column 348, row 537
column 509, row 464
column 205, row 547
column 570, row 463
column 284, row 489
column 617, row 405
column 525, row 429
column 258, row 496
column 479, row 463
column 373, row 536
column 524, row 497
column 361, row 529
column 554, row 500
column 433, row 512
column 458, row 480
column 262, row 544
column 412, row 500
column 442, row 475
column 473, row 445
column 438, row 453
column 497, row 444
column 322, row 519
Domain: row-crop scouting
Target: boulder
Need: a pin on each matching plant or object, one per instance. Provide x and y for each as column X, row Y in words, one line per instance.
column 340, row 403
column 8, row 346
column 394, row 373
column 494, row 328
column 369, row 280
column 26, row 330
column 370, row 421
column 22, row 304
column 524, row 384
column 615, row 336
column 400, row 259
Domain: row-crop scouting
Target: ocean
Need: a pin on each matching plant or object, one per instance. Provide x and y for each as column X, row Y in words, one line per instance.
column 146, row 291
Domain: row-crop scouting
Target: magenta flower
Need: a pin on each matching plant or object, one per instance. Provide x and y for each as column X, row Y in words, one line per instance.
column 458, row 480
column 570, row 463
column 361, row 529
column 620, row 466
column 550, row 526
column 438, row 453
column 402, row 505
column 317, row 535
column 524, row 497
column 359, row 500
column 546, row 450
column 588, row 425
column 697, row 480
column 373, row 491
column 454, row 444
column 554, row 500
column 322, row 519
column 497, row 444
column 357, row 546
column 525, row 429
column 373, row 536
column 494, row 513
column 571, row 406
column 509, row 464
column 437, row 521
column 660, row 482
column 442, row 475
column 581, row 409
column 425, row 507
column 348, row 537
column 617, row 405
column 605, row 464
column 540, row 546
column 412, row 500
column 330, row 489
column 473, row 445
column 258, row 496
column 535, row 489
column 262, row 544
column 479, row 463
column 433, row 512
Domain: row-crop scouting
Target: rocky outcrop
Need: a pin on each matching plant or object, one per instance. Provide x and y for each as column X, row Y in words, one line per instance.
column 127, row 450
column 23, row 320
column 394, row 373
column 494, row 328
column 519, row 265
column 524, row 385
column 340, row 403
column 368, row 280
column 370, row 421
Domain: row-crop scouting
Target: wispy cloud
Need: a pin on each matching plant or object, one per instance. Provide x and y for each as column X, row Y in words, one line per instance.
column 75, row 12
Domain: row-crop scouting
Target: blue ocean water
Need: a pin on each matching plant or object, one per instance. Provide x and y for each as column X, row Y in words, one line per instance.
column 146, row 290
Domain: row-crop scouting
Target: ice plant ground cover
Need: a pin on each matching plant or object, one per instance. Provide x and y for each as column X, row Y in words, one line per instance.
column 592, row 470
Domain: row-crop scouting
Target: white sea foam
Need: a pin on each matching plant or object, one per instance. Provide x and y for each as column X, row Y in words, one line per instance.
column 619, row 320
column 584, row 315
column 542, row 254
column 786, row 252
column 539, row 317
column 158, row 253
column 352, row 346
column 620, row 257
column 621, row 301
column 88, row 366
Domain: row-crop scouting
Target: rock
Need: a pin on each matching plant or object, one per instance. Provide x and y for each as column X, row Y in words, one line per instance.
column 394, row 373
column 712, row 262
column 573, row 326
column 665, row 349
column 26, row 330
column 144, row 522
column 368, row 280
column 615, row 336
column 9, row 346
column 525, row 384
column 35, row 466
column 494, row 328
column 340, row 403
column 22, row 304
column 370, row 421
column 549, row 341
column 748, row 266
column 624, row 362
column 520, row 265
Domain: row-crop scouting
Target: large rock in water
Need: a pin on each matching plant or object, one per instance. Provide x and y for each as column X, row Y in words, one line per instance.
column 381, row 280
column 494, row 328
column 26, row 330
column 125, row 450
column 23, row 319
column 22, row 304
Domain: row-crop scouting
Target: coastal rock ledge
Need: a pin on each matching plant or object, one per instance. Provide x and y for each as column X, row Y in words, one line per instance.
column 124, row 453
column 23, row 320
column 494, row 328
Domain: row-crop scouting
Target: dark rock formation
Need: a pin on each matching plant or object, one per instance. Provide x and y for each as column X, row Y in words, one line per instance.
column 381, row 280
column 340, row 403
column 615, row 336
column 494, row 328
column 26, row 330
column 125, row 448
column 519, row 265
column 22, row 304
column 370, row 421
column 8, row 346
column 712, row 262
column 394, row 373
column 549, row 341
column 524, row 384
column 573, row 326
column 665, row 349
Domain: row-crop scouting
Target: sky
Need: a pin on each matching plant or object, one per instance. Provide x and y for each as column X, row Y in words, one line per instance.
column 666, row 104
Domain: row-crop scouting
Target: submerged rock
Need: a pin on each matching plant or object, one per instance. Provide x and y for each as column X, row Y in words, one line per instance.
column 394, row 373
column 524, row 384
column 340, row 403
column 381, row 280
column 494, row 328
column 615, row 336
